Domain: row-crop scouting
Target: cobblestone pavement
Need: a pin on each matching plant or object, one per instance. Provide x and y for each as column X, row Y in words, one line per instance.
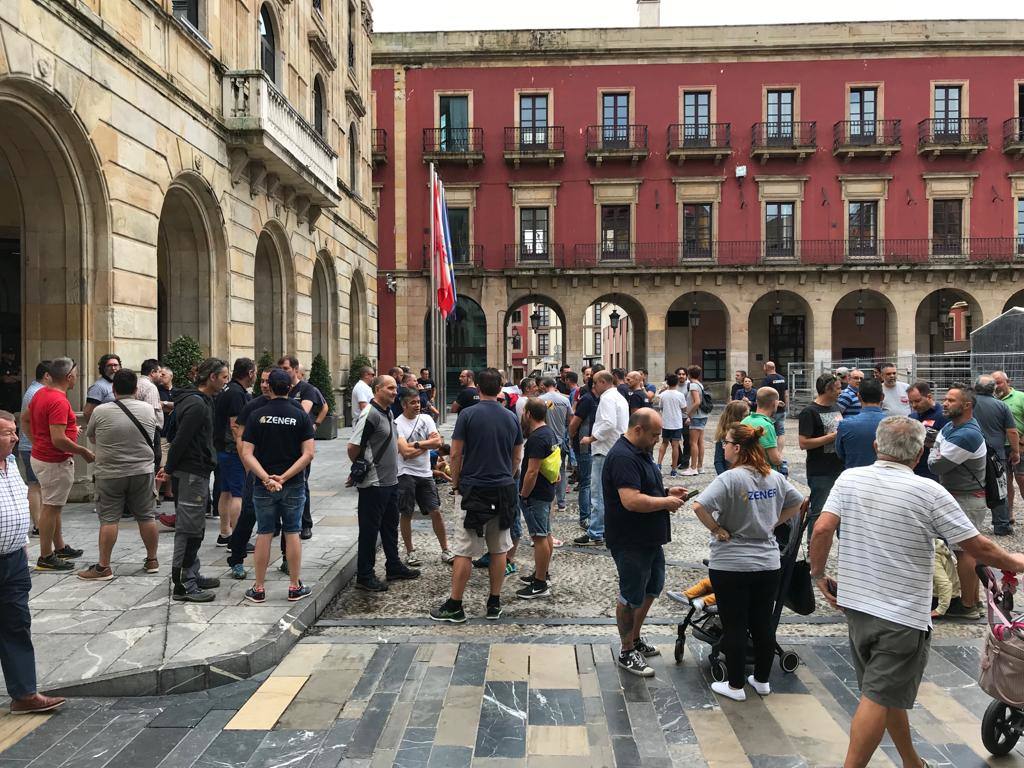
column 537, row 701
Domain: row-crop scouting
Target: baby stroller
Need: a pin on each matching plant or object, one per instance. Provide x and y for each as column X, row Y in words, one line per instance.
column 1002, row 666
column 706, row 625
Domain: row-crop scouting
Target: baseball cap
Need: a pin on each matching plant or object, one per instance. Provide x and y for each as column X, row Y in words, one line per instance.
column 842, row 370
column 279, row 382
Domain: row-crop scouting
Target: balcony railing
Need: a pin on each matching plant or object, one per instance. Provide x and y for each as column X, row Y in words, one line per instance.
column 463, row 256
column 453, row 143
column 628, row 141
column 1013, row 135
column 699, row 136
column 379, row 145
column 790, row 137
column 547, row 138
column 852, row 137
column 524, row 255
column 965, row 134
column 271, row 131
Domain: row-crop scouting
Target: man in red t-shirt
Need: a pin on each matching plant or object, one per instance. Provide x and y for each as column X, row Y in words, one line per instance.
column 51, row 420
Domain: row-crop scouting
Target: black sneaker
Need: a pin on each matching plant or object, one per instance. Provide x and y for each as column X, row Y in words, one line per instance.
column 194, row 595
column 493, row 611
column 35, row 532
column 482, row 562
column 646, row 649
column 68, row 553
column 223, row 541
column 634, row 663
column 450, row 613
column 405, row 574
column 254, row 595
column 207, row 583
column 534, row 589
column 250, row 548
column 53, row 563
column 298, row 593
column 372, row 584
column 306, row 533
column 587, row 541
column 530, row 578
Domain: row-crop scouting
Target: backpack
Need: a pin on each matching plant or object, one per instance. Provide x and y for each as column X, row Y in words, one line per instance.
column 707, row 405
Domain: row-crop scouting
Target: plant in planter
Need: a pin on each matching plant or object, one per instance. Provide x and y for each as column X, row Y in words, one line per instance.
column 320, row 377
column 183, row 355
column 265, row 362
column 358, row 363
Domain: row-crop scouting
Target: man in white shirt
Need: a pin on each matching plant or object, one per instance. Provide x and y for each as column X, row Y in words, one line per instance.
column 895, row 401
column 417, row 436
column 610, row 423
column 361, row 392
column 673, row 406
column 884, row 584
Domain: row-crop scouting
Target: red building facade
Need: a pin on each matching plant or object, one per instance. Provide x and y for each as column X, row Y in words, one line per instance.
column 803, row 193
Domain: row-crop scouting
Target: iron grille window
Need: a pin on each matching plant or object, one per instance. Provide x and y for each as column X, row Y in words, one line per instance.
column 543, row 344
column 458, row 228
column 268, row 47
column 615, row 119
column 778, row 229
column 696, row 118
column 947, row 226
column 453, row 112
column 779, row 125
column 863, row 228
column 863, row 114
column 533, row 121
column 187, row 10
column 597, row 315
column 947, row 113
column 697, row 229
column 615, row 234
column 597, row 343
column 533, row 232
column 1020, row 226
column 318, row 107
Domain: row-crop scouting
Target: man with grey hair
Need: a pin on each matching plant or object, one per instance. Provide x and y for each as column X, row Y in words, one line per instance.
column 884, row 582
column 1000, row 430
column 1014, row 399
column 361, row 392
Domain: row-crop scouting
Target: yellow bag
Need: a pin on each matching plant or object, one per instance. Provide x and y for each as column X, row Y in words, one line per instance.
column 551, row 467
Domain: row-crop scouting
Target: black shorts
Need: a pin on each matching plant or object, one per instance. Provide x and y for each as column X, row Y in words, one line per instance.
column 421, row 491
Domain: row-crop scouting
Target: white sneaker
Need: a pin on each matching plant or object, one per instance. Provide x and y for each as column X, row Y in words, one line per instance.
column 763, row 689
column 412, row 559
column 447, row 557
column 688, row 472
column 698, row 603
column 679, row 597
column 724, row 689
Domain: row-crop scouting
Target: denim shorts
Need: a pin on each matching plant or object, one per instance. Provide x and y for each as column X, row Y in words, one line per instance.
column 672, row 434
column 779, row 421
column 284, row 506
column 537, row 514
column 641, row 573
column 30, row 476
column 417, row 491
column 231, row 473
column 698, row 422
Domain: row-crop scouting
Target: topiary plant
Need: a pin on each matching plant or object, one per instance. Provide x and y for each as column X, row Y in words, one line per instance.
column 265, row 362
column 358, row 363
column 320, row 377
column 182, row 356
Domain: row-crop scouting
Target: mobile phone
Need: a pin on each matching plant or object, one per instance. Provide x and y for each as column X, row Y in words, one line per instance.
column 690, row 494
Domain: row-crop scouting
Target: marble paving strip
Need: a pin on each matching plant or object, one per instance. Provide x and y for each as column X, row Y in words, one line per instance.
column 553, row 666
column 508, row 661
column 756, row 728
column 503, row 715
column 397, row 669
column 414, row 749
column 99, row 750
column 196, row 742
column 810, row 727
column 717, row 739
column 647, row 731
column 230, row 748
column 290, row 748
column 556, row 707
column 470, row 664
column 48, row 731
column 263, row 709
column 13, row 728
column 332, row 748
column 348, row 656
column 675, row 725
column 371, row 725
column 557, row 740
column 450, row 757
column 444, row 655
column 372, row 671
column 301, row 660
column 962, row 722
column 148, row 747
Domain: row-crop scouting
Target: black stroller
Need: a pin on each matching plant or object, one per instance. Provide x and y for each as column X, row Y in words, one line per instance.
column 706, row 625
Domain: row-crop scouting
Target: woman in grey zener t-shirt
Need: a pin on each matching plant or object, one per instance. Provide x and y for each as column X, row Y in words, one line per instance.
column 742, row 507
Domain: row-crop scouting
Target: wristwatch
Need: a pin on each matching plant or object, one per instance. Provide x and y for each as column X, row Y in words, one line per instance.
column 416, row 445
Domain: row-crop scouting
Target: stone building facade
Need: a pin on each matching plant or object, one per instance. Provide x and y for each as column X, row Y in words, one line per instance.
column 798, row 193
column 194, row 167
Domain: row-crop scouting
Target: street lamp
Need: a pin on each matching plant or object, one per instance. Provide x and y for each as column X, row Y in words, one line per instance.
column 858, row 315
column 694, row 314
column 777, row 313
column 613, row 319
column 535, row 319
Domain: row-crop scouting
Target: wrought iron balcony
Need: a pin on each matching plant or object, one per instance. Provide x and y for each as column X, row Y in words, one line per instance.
column 707, row 141
column 952, row 136
column 464, row 257
column 379, row 146
column 534, row 256
column 270, row 139
column 453, row 145
column 617, row 142
column 866, row 138
column 794, row 140
column 535, row 144
column 1013, row 136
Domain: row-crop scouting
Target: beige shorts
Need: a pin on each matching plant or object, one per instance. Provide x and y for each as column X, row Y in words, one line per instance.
column 975, row 509
column 165, row 447
column 55, row 480
column 494, row 540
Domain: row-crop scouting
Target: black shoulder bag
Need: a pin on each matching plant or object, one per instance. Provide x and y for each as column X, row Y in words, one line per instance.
column 153, row 442
column 361, row 467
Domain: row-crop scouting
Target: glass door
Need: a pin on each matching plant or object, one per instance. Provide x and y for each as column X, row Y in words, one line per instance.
column 615, row 119
column 697, row 119
column 533, row 122
column 453, row 130
column 779, row 128
column 947, row 114
column 862, row 115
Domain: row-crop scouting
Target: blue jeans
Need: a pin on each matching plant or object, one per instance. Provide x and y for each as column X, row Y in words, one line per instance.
column 537, row 514
column 563, row 483
column 821, row 486
column 17, row 656
column 596, row 528
column 583, row 464
column 284, row 505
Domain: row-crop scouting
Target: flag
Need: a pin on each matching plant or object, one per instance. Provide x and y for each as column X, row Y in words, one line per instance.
column 443, row 266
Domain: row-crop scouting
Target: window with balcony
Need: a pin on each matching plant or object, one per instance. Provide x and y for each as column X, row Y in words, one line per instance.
column 947, row 114
column 597, row 343
column 453, row 113
column 353, row 159
column 863, row 114
column 779, row 229
column 543, row 344
column 318, row 106
column 947, row 227
column 1020, row 109
column 779, row 117
column 533, row 121
column 517, row 317
column 533, row 233
column 1020, row 226
column 863, row 228
column 697, row 230
column 615, row 119
column 268, row 45
column 458, row 228
column 188, row 11
column 696, row 118
column 615, row 231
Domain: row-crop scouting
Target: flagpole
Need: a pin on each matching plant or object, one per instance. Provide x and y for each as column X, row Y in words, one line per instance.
column 433, row 314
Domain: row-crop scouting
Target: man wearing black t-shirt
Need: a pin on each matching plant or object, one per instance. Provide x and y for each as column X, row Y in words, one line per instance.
column 277, row 445
column 226, row 434
column 313, row 403
column 536, row 493
column 469, row 396
column 777, row 381
column 817, row 429
column 580, row 426
column 637, row 397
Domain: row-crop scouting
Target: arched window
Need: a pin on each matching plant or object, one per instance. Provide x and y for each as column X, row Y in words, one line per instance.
column 268, row 45
column 353, row 162
column 319, row 120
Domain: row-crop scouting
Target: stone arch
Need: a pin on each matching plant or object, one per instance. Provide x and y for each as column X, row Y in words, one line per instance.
column 273, row 293
column 705, row 343
column 508, row 358
column 876, row 338
column 191, row 266
column 1016, row 300
column 465, row 340
column 324, row 308
column 55, row 219
column 942, row 306
column 357, row 330
column 637, row 320
column 785, row 343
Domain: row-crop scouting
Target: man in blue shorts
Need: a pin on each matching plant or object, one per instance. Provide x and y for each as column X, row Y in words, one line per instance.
column 226, row 431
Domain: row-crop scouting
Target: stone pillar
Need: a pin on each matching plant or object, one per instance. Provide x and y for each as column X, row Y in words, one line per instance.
column 656, row 346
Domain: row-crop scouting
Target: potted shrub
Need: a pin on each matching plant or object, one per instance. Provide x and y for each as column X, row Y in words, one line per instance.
column 183, row 355
column 265, row 362
column 320, row 377
column 358, row 363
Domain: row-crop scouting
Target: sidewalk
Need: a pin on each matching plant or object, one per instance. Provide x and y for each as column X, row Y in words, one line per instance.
column 127, row 637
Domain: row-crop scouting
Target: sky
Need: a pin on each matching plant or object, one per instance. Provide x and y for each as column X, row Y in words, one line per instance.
column 417, row 15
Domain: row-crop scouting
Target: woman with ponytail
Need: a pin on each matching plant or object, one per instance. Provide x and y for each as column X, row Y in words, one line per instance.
column 742, row 507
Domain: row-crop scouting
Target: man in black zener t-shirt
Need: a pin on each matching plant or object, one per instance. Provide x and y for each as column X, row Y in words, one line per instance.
column 818, row 424
column 277, row 445
column 313, row 403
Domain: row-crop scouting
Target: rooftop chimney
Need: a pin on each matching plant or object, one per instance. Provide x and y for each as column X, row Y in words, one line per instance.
column 650, row 12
